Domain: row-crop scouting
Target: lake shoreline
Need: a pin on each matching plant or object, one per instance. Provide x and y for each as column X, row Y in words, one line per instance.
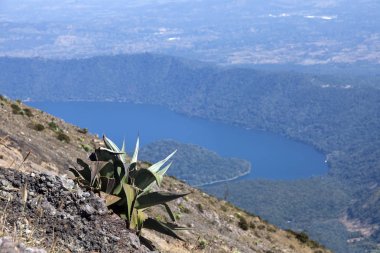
column 226, row 180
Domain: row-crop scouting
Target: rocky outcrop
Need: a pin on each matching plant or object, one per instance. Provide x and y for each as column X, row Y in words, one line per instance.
column 51, row 212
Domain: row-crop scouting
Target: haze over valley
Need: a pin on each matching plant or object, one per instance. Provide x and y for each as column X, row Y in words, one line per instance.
column 223, row 32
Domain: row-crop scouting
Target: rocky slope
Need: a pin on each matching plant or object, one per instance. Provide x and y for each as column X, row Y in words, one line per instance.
column 33, row 142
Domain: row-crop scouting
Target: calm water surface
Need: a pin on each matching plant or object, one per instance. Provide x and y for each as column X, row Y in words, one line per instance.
column 272, row 156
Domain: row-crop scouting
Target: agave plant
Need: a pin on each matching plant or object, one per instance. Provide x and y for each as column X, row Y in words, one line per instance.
column 128, row 189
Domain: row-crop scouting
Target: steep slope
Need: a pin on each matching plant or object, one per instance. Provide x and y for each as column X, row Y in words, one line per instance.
column 217, row 226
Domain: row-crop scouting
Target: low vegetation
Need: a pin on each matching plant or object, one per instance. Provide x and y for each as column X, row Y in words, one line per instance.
column 63, row 137
column 128, row 189
column 37, row 126
column 16, row 109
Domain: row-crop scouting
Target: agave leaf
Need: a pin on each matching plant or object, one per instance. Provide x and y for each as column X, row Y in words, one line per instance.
column 86, row 171
column 97, row 166
column 141, row 217
column 110, row 144
column 102, row 154
column 135, row 154
column 123, row 157
column 134, row 220
column 130, row 194
column 123, row 146
column 107, row 170
column 111, row 151
column 160, row 227
column 106, row 184
column 118, row 189
column 156, row 198
column 132, row 168
column 160, row 174
column 169, row 211
column 75, row 173
column 111, row 199
column 138, row 218
column 156, row 167
column 114, row 149
column 143, row 178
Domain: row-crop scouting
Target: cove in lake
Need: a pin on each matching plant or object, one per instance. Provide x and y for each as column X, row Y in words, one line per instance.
column 272, row 156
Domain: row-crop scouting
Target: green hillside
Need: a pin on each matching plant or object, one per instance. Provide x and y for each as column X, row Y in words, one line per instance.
column 196, row 165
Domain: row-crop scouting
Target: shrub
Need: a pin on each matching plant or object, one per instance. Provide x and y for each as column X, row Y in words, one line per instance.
column 304, row 238
column 86, row 147
column 83, row 130
column 200, row 207
column 183, row 209
column 202, row 243
column 38, row 127
column 127, row 187
column 243, row 224
column 53, row 126
column 261, row 226
column 16, row 109
column 28, row 112
column 63, row 137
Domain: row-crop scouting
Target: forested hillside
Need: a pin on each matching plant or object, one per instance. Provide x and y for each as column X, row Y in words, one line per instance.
column 196, row 165
column 340, row 119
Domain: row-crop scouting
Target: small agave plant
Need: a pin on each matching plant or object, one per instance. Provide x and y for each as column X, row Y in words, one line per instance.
column 127, row 189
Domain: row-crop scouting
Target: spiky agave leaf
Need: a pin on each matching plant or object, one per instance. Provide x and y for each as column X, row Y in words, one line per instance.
column 160, row 174
column 156, row 198
column 142, row 178
column 123, row 157
column 169, row 211
column 121, row 154
column 104, row 154
column 107, row 169
column 110, row 144
column 156, row 167
column 106, row 184
column 137, row 219
column 136, row 153
column 84, row 174
column 130, row 195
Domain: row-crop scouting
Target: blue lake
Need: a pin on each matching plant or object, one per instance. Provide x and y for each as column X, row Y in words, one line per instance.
column 272, row 156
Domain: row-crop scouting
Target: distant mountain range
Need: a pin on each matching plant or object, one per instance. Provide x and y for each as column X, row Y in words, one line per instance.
column 219, row 31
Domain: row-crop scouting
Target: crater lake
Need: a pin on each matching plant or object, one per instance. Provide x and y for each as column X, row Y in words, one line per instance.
column 272, row 156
